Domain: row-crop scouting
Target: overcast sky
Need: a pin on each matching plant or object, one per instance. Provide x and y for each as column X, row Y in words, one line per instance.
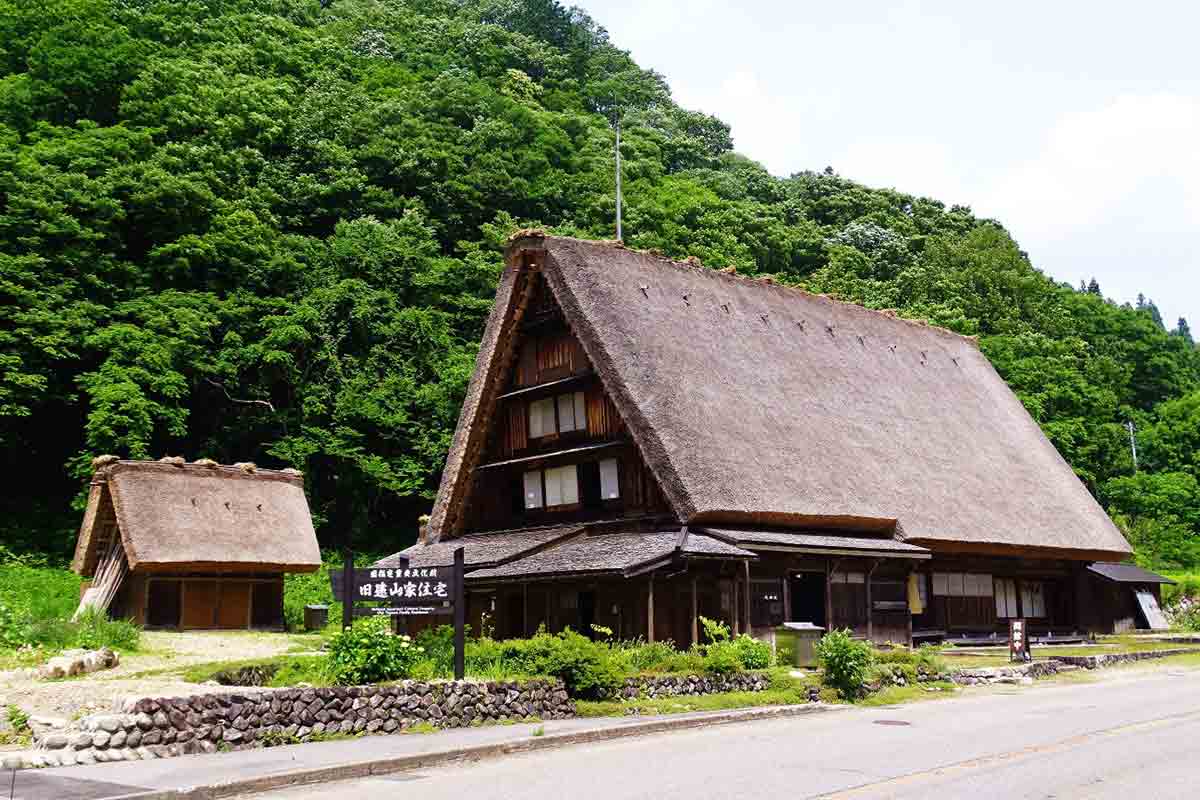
column 1077, row 125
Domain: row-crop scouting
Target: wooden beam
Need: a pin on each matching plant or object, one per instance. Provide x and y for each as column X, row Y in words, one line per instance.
column 749, row 628
column 695, row 613
column 870, row 610
column 787, row 596
column 908, row 614
column 735, row 605
column 650, row 611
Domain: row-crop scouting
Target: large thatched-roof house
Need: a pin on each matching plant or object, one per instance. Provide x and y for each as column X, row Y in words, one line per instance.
column 193, row 545
column 645, row 441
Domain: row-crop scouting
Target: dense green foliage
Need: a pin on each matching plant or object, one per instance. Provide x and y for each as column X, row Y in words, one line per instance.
column 845, row 663
column 36, row 605
column 267, row 230
column 301, row 589
column 589, row 668
column 368, row 652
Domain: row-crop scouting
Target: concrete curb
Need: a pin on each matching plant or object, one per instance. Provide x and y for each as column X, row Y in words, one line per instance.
column 363, row 769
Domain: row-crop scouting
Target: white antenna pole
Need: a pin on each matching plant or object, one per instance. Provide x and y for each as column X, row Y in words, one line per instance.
column 1132, row 444
column 618, row 125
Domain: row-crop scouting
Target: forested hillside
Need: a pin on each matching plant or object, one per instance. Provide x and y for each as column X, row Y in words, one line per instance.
column 270, row 231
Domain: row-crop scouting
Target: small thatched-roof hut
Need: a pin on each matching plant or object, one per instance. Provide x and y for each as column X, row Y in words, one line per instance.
column 193, row 545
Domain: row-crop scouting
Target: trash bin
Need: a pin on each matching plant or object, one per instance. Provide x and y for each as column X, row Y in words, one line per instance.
column 315, row 617
column 802, row 637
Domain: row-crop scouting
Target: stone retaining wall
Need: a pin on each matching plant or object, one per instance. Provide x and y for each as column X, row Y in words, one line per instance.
column 1017, row 673
column 1108, row 659
column 164, row 727
column 672, row 685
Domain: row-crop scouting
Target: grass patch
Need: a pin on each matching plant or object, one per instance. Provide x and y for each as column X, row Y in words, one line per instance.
column 784, row 691
column 284, row 670
column 897, row 695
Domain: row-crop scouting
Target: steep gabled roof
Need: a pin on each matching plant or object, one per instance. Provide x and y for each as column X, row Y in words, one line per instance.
column 758, row 404
column 199, row 516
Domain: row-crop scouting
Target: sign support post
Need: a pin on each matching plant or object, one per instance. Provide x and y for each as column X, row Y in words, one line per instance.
column 347, row 581
column 460, row 616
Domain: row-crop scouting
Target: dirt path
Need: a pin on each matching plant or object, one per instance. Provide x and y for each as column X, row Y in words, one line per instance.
column 161, row 653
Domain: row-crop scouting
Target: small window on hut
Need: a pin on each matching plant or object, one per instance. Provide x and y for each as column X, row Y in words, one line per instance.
column 961, row 584
column 561, row 414
column 610, row 484
column 1033, row 599
column 562, row 487
column 533, row 489
column 1006, row 598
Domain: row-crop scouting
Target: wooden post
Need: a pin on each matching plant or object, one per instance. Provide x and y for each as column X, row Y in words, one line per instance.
column 695, row 614
column 525, row 608
column 787, row 596
column 870, row 610
column 830, row 567
column 460, row 615
column 650, row 611
column 347, row 588
column 909, row 615
column 735, row 605
column 749, row 630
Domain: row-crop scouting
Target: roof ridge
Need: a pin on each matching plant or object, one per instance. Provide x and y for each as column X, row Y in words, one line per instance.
column 691, row 263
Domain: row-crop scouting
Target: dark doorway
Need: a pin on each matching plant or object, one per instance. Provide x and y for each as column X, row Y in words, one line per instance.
column 587, row 613
column 514, row 613
column 162, row 604
column 808, row 598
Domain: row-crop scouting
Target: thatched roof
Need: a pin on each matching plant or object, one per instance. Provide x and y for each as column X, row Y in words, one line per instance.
column 1127, row 573
column 201, row 516
column 757, row 404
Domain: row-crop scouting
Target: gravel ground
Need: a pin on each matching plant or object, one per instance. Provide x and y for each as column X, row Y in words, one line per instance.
column 163, row 653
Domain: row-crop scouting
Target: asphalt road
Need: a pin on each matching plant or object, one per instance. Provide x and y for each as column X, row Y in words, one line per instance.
column 1133, row 736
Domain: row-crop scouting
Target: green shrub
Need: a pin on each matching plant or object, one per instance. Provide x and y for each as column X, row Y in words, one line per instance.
column 369, row 653
column 1188, row 619
column 313, row 588
column 438, row 647
column 753, row 653
column 94, row 630
column 1187, row 584
column 722, row 658
column 844, row 662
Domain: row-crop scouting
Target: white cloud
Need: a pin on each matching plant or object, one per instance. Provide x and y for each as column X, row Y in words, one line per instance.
column 766, row 126
column 1093, row 163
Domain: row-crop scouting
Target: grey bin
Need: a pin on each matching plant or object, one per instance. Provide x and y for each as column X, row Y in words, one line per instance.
column 801, row 638
column 315, row 617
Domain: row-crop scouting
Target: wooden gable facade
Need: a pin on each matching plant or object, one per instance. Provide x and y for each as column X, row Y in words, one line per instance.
column 557, row 449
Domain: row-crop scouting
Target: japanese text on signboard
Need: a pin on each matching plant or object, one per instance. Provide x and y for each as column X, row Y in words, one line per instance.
column 399, row 585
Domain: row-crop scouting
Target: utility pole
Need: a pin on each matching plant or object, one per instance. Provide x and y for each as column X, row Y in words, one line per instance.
column 617, row 124
column 1132, row 444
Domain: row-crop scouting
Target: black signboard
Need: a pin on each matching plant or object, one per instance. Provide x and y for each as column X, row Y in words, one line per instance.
column 428, row 587
column 406, row 591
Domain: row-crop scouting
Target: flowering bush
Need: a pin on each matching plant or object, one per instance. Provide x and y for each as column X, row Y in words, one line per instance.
column 369, row 653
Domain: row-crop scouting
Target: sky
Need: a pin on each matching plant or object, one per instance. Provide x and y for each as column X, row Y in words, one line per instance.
column 1076, row 125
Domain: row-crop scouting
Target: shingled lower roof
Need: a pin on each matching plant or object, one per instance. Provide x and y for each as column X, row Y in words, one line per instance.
column 611, row 553
column 1127, row 573
column 819, row 542
column 482, row 550
column 200, row 516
